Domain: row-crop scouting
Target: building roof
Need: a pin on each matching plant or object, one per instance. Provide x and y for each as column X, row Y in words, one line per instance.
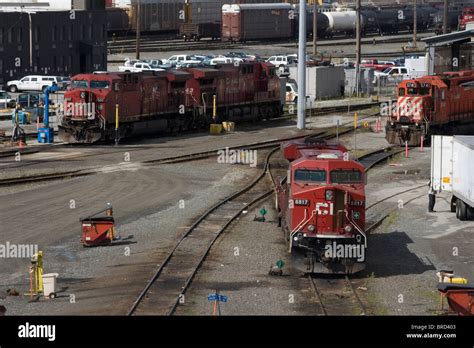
column 446, row 39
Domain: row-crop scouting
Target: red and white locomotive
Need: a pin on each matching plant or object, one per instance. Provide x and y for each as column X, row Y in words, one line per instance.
column 441, row 104
column 172, row 101
column 321, row 208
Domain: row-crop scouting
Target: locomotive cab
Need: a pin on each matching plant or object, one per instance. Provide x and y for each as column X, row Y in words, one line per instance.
column 322, row 206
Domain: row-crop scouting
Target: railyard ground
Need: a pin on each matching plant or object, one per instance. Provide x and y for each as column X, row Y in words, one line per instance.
column 404, row 252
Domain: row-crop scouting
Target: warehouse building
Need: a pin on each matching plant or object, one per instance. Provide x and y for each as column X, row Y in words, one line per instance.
column 57, row 37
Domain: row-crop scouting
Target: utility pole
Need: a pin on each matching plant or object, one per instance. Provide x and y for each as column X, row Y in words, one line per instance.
column 138, row 29
column 358, row 47
column 415, row 23
column 315, row 27
column 31, row 40
column 301, row 124
column 445, row 17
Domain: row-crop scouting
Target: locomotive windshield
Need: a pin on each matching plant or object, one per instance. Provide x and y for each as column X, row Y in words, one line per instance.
column 346, row 177
column 80, row 84
column 92, row 85
column 310, row 175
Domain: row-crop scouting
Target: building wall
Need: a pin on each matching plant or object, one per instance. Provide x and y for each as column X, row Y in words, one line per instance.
column 62, row 44
column 322, row 82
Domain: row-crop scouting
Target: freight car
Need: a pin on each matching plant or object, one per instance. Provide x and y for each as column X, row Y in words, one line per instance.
column 246, row 22
column 167, row 16
column 168, row 101
column 321, row 208
column 442, row 104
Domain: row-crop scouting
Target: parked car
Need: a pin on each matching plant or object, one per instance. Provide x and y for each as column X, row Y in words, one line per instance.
column 282, row 61
column 36, row 83
column 180, row 59
column 29, row 100
column 242, row 55
column 6, row 100
column 221, row 60
column 374, row 63
column 138, row 67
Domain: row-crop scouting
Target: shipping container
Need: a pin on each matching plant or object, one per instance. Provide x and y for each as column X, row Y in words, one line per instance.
column 246, row 22
column 452, row 168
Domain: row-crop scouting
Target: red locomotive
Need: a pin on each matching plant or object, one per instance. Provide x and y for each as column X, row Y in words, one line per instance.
column 322, row 208
column 467, row 16
column 432, row 105
column 172, row 101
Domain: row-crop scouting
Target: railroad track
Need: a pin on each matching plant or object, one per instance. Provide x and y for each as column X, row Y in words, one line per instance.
column 336, row 296
column 168, row 160
column 166, row 288
column 120, row 46
column 164, row 291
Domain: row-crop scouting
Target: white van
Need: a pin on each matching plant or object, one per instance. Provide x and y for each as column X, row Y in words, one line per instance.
column 35, row 83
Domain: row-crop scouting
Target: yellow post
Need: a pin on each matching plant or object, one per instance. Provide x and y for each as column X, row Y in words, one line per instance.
column 116, row 116
column 116, row 124
column 355, row 120
column 214, row 108
column 37, row 261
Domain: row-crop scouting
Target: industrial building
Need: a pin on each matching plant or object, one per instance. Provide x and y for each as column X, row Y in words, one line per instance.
column 54, row 37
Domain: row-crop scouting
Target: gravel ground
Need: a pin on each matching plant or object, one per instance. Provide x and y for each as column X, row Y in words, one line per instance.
column 238, row 268
column 244, row 277
column 411, row 245
column 97, row 277
column 53, row 159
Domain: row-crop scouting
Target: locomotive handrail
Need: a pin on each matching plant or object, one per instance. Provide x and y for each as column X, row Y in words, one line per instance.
column 357, row 228
column 300, row 226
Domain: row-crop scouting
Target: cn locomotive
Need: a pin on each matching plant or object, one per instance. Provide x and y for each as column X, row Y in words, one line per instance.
column 441, row 104
column 168, row 101
column 321, row 208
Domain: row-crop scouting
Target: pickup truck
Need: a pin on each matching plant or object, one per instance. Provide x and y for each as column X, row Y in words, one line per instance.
column 181, row 59
column 373, row 63
column 138, row 67
column 393, row 74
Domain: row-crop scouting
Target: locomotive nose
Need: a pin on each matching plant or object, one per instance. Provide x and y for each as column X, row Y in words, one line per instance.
column 410, row 109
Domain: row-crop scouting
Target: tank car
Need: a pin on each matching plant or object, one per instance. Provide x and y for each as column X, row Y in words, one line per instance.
column 321, row 208
column 441, row 104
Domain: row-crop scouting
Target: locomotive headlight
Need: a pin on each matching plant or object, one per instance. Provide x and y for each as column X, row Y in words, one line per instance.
column 348, row 228
column 83, row 95
column 311, row 228
column 298, row 237
column 329, row 195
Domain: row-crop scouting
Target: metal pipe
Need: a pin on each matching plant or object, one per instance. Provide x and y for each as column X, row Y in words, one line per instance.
column 301, row 124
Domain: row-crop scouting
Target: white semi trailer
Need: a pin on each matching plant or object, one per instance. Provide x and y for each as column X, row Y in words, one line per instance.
column 452, row 170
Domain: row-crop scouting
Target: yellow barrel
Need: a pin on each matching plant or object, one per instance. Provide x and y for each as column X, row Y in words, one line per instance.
column 229, row 126
column 216, row 129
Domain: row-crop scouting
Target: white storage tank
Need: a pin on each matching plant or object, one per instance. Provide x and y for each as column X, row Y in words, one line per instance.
column 340, row 21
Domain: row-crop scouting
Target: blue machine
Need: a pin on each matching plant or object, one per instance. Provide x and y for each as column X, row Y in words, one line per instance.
column 46, row 134
column 21, row 118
